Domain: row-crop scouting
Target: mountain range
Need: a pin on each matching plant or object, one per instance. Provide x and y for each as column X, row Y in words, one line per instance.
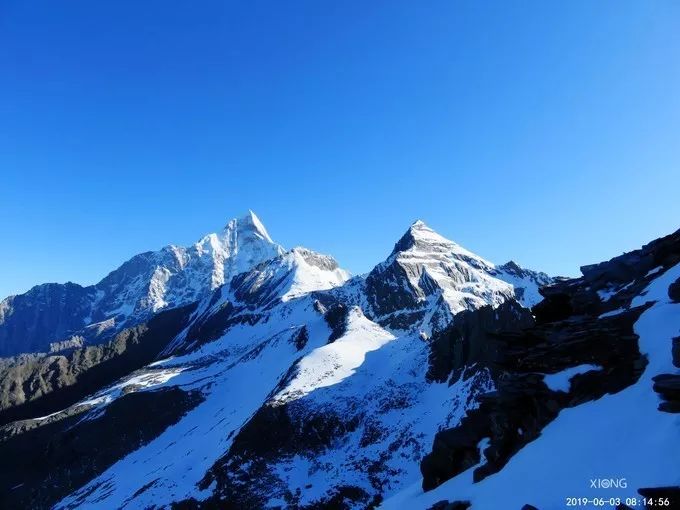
column 237, row 374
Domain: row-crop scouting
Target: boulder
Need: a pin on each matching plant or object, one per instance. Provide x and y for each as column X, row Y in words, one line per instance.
column 674, row 291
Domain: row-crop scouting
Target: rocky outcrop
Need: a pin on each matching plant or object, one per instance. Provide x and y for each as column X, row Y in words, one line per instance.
column 291, row 274
column 473, row 338
column 668, row 388
column 674, row 291
column 522, row 404
column 46, row 313
column 242, row 478
column 453, row 505
column 36, row 385
column 424, row 268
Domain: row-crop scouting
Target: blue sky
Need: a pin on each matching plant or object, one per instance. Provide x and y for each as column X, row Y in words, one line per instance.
column 545, row 132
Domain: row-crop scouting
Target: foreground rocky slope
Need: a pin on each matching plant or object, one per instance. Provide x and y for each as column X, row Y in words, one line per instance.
column 576, row 398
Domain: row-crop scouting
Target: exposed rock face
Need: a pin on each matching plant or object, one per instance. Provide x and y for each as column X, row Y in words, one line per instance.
column 173, row 276
column 472, row 338
column 52, row 459
column 36, row 384
column 455, row 505
column 425, row 269
column 668, row 387
column 525, row 282
column 48, row 312
column 674, row 291
column 661, row 253
column 291, row 274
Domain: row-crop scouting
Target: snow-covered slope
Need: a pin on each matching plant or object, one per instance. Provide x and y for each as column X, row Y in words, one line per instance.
column 292, row 274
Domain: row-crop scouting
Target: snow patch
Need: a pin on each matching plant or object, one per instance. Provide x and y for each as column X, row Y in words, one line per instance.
column 561, row 380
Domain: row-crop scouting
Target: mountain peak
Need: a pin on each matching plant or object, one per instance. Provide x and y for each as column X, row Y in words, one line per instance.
column 248, row 225
column 421, row 236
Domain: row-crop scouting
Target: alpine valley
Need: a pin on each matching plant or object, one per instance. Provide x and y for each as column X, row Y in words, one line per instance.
column 237, row 374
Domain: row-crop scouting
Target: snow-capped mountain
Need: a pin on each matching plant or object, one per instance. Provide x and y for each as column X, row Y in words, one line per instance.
column 290, row 384
column 427, row 279
column 54, row 315
column 426, row 383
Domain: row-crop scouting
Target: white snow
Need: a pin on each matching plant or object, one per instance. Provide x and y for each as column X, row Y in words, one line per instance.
column 652, row 272
column 611, row 313
column 562, row 380
column 335, row 362
column 309, row 277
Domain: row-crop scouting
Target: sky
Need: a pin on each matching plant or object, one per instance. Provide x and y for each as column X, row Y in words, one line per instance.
column 543, row 132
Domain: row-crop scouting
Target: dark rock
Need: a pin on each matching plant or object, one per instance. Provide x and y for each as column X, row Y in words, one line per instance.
column 301, row 338
column 211, row 325
column 336, row 317
column 674, row 291
column 454, row 505
column 241, row 476
column 388, row 290
column 676, row 351
column 529, row 507
column 70, row 452
column 554, row 307
column 473, row 338
column 37, row 385
column 45, row 314
column 668, row 387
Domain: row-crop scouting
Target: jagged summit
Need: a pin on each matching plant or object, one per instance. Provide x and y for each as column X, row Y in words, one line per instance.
column 421, row 238
column 148, row 282
column 425, row 268
column 248, row 225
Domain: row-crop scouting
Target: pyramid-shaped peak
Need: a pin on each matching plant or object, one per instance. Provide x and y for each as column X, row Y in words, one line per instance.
column 248, row 225
column 421, row 236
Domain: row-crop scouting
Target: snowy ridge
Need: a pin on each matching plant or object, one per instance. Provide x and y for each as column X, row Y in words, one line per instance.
column 181, row 275
column 292, row 274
